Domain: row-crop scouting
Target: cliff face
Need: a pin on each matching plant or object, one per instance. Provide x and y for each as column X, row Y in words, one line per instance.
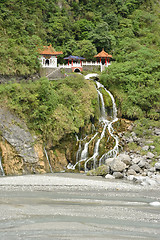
column 23, row 153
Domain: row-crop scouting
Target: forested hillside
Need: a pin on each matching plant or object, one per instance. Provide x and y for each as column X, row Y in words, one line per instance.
column 128, row 29
column 75, row 27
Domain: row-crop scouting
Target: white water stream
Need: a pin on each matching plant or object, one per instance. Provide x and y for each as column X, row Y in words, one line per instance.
column 1, row 167
column 105, row 123
column 48, row 160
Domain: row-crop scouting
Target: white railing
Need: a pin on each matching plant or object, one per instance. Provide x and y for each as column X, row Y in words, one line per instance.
column 83, row 64
column 70, row 65
column 91, row 63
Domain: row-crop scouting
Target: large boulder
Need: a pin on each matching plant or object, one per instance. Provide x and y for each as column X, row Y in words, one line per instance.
column 124, row 158
column 136, row 168
column 150, row 155
column 136, row 160
column 157, row 166
column 100, row 171
column 118, row 175
column 117, row 166
column 131, row 172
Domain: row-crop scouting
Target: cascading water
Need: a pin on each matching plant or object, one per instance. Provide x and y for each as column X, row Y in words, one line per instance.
column 48, row 160
column 105, row 123
column 1, row 167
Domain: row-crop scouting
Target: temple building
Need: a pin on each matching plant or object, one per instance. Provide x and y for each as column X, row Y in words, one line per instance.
column 48, row 57
column 76, row 63
column 48, row 61
column 103, row 57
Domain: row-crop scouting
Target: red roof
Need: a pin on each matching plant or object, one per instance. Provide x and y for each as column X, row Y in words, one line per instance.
column 49, row 50
column 102, row 54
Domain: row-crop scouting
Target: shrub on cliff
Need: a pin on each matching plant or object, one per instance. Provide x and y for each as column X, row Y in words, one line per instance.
column 52, row 109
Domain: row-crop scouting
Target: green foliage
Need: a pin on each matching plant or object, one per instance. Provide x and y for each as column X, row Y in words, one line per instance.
column 52, row 109
column 134, row 77
column 86, row 49
column 128, row 29
column 66, row 25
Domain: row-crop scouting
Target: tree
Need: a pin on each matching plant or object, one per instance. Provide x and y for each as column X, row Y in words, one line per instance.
column 85, row 49
column 100, row 37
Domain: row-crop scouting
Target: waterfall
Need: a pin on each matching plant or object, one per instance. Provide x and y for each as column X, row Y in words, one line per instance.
column 104, row 123
column 79, row 151
column 102, row 109
column 48, row 160
column 1, row 167
column 113, row 152
column 84, row 153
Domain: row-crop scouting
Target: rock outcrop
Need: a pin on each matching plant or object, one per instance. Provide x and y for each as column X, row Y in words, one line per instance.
column 22, row 152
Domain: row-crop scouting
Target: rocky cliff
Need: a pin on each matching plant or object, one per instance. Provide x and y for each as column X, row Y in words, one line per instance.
column 23, row 152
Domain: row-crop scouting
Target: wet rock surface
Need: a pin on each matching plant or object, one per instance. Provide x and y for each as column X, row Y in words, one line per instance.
column 15, row 132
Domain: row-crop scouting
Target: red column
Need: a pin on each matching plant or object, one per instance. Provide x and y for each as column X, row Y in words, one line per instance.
column 105, row 61
column 72, row 62
column 80, row 62
column 108, row 60
column 97, row 60
column 100, row 60
column 68, row 62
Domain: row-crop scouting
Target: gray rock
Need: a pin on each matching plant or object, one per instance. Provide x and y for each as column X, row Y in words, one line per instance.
column 158, row 179
column 150, row 155
column 137, row 160
column 142, row 163
column 117, row 175
column 117, row 165
column 152, row 169
column 136, row 168
column 124, row 158
column 147, row 165
column 157, row 166
column 145, row 148
column 108, row 161
column 109, row 176
column 133, row 134
column 157, row 131
column 149, row 141
column 139, row 179
column 131, row 172
column 144, row 174
column 16, row 133
column 152, row 147
column 130, row 177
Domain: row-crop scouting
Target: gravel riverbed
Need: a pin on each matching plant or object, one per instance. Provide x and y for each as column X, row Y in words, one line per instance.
column 74, row 206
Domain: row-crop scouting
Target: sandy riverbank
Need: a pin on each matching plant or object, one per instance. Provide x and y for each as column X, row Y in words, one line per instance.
column 74, row 206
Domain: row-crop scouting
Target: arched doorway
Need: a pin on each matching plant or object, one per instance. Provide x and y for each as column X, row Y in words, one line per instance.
column 77, row 70
column 47, row 62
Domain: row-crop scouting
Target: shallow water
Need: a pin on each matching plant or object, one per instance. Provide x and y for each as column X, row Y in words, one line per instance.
column 73, row 206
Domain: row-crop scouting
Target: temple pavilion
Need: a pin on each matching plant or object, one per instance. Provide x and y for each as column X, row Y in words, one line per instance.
column 103, row 57
column 48, row 56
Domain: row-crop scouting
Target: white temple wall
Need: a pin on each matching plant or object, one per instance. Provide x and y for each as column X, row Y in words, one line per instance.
column 48, row 61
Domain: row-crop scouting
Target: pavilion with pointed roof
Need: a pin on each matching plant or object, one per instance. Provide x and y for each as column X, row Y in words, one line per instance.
column 103, row 55
column 48, row 56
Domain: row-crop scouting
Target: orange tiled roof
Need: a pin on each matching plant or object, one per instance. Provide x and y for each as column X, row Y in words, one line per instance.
column 49, row 50
column 103, row 54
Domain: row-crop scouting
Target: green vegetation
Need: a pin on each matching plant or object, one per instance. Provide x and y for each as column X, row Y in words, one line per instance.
column 144, row 128
column 52, row 109
column 75, row 27
column 135, row 76
column 128, row 29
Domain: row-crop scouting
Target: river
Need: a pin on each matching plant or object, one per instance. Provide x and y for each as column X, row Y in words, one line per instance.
column 73, row 207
